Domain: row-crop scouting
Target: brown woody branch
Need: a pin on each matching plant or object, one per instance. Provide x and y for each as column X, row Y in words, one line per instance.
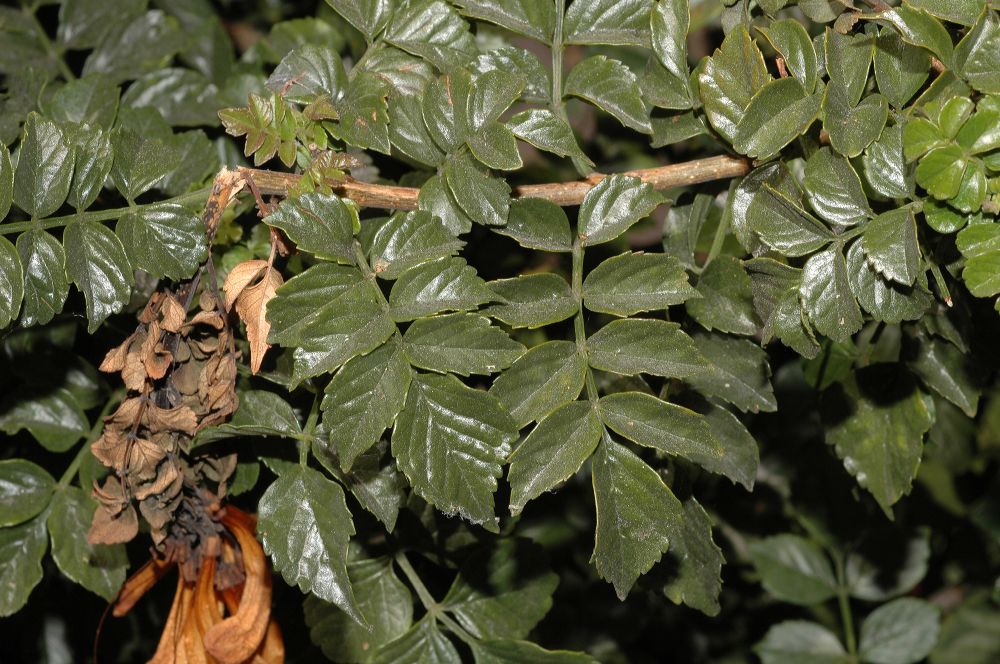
column 391, row 197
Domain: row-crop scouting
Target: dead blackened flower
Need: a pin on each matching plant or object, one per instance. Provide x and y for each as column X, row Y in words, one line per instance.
column 222, row 606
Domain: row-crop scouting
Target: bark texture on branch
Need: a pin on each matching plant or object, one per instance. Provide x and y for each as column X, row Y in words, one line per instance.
column 391, row 197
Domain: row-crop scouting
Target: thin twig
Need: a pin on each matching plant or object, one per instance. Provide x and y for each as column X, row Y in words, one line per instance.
column 391, row 197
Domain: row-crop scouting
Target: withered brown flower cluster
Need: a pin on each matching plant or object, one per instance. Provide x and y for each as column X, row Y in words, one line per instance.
column 180, row 375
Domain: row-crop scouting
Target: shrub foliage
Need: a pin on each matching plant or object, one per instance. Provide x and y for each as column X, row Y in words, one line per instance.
column 520, row 324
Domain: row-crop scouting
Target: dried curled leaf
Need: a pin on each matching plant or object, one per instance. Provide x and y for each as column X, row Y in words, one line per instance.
column 249, row 287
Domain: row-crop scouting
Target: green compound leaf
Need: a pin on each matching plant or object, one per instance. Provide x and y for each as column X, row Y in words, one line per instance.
column 450, row 441
column 305, row 527
column 96, row 262
column 433, row 30
column 532, row 300
column 833, row 189
column 794, row 569
column 958, row 11
column 131, row 49
column 776, row 298
column 553, row 452
column 746, row 204
column 447, row 284
column 495, row 146
column 919, row 28
column 848, row 59
column 322, row 224
column 384, row 601
column 6, row 181
column 363, row 399
column 91, row 165
column 45, row 283
column 490, row 94
column 502, row 592
column 368, row 16
column 669, row 23
column 445, row 109
column 789, row 38
column 22, row 547
column 535, row 223
column 890, row 242
column 676, row 128
column 612, row 87
column 887, row 564
column 729, row 79
column 546, row 131
column 885, row 167
column 496, row 651
column 538, row 84
column 698, row 580
column 459, row 343
column 164, row 240
column 408, row 133
column 853, row 128
column 726, row 301
column 943, row 218
column 900, row 68
column 738, row 372
column 405, row 240
column 364, row 118
column 330, row 314
column 919, row 136
column 637, row 515
column 629, row 283
column 886, row 300
column 903, row 631
column 783, row 225
column 97, row 567
column 801, row 642
column 485, row 199
column 741, row 458
column 940, row 171
column 980, row 244
column 615, row 22
column 141, row 159
column 379, row 487
column 639, row 345
column 423, row 642
column 827, row 296
column 976, row 54
column 527, row 17
column 778, row 112
column 436, row 199
column 11, row 282
column 613, row 206
column 260, row 413
column 652, row 422
column 946, row 370
column 876, row 423
column 44, row 168
column 25, row 490
column 546, row 377
column 91, row 99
